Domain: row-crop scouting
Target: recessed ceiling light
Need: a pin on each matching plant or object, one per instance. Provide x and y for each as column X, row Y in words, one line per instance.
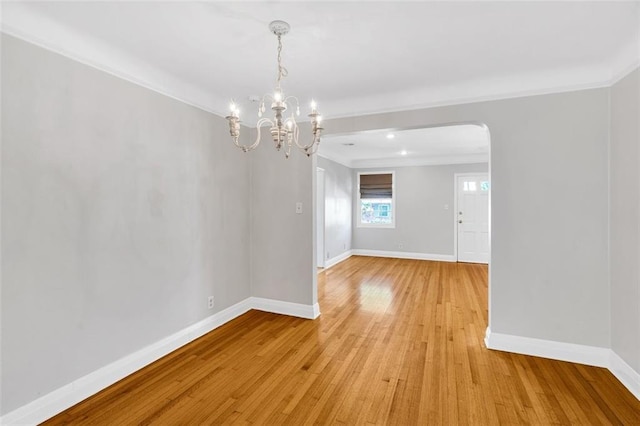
column 403, row 152
column 348, row 144
column 390, row 136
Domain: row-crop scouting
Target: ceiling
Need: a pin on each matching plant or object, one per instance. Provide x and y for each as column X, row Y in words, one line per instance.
column 353, row 58
column 425, row 146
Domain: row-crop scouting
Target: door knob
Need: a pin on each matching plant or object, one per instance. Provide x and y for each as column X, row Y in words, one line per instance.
column 459, row 221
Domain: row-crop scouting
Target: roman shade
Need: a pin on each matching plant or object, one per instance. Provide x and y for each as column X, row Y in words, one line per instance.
column 376, row 186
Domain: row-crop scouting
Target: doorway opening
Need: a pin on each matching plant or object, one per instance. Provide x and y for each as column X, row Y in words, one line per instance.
column 426, row 160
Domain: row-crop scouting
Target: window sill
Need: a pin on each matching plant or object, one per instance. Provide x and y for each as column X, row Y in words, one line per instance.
column 366, row 225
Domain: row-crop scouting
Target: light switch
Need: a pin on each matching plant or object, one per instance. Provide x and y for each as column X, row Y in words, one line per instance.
column 446, row 206
column 299, row 207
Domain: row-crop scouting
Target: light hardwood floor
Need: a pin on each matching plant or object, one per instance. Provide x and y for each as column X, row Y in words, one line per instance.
column 398, row 342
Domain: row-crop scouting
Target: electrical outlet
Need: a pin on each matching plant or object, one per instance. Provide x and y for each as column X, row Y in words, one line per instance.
column 328, row 255
column 344, row 246
column 400, row 245
column 210, row 302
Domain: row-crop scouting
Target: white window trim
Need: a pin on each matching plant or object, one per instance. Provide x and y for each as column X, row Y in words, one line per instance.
column 358, row 212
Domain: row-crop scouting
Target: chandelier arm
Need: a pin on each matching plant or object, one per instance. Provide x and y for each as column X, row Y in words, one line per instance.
column 314, row 146
column 294, row 98
column 287, row 148
column 258, row 127
column 262, row 121
column 297, row 140
column 247, row 148
column 314, row 141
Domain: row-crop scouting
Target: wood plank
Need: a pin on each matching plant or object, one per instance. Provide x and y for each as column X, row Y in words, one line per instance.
column 398, row 342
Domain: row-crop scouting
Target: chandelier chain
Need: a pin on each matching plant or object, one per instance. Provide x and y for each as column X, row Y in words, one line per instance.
column 282, row 71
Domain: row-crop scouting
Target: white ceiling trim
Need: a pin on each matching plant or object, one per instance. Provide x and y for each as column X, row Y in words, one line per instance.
column 508, row 87
column 48, row 34
column 340, row 160
column 42, row 31
column 626, row 61
column 421, row 161
column 409, row 161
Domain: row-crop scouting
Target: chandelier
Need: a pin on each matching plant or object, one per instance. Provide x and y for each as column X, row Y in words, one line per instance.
column 284, row 131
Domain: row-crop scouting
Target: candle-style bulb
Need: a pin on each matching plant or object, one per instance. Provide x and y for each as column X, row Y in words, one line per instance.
column 235, row 111
column 277, row 96
column 313, row 105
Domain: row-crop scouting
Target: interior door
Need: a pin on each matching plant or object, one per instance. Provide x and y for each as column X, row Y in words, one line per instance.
column 472, row 217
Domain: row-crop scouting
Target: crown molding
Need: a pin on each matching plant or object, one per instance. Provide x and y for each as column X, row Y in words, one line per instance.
column 468, row 92
column 421, row 161
column 626, row 61
column 336, row 159
column 407, row 161
column 25, row 23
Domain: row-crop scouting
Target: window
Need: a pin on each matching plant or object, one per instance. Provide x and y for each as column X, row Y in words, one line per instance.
column 469, row 186
column 376, row 200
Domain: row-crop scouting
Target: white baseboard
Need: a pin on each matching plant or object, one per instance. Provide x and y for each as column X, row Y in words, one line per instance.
column 337, row 259
column 286, row 308
column 579, row 354
column 404, row 255
column 67, row 396
column 627, row 375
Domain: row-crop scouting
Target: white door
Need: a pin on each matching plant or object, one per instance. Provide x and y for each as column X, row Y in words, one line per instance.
column 472, row 217
column 320, row 218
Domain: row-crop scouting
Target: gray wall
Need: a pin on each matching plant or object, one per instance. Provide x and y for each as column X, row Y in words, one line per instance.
column 122, row 210
column 549, row 207
column 283, row 242
column 625, row 219
column 422, row 223
column 339, row 188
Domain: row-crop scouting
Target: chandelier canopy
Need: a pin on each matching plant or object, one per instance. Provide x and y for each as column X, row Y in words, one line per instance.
column 284, row 131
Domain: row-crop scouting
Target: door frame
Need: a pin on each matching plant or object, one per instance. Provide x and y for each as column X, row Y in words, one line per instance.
column 320, row 219
column 455, row 210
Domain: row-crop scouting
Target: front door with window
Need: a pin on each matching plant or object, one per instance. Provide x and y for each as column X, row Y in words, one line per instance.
column 472, row 217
